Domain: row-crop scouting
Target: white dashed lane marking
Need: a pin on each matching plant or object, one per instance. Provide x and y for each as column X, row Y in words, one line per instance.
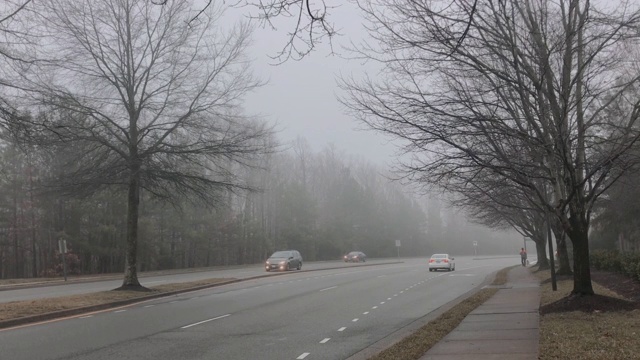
column 329, row 288
column 302, row 356
column 323, row 341
column 205, row 321
column 365, row 313
column 356, row 319
column 342, row 328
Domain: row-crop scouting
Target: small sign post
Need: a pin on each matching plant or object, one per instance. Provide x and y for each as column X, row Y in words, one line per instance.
column 398, row 247
column 62, row 247
column 475, row 248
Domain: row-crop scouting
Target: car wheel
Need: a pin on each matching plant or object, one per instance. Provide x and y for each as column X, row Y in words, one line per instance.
column 299, row 265
column 450, row 268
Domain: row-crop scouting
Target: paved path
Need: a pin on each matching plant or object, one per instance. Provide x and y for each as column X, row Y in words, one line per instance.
column 504, row 327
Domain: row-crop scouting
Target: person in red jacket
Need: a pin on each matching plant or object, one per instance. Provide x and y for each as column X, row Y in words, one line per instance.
column 523, row 256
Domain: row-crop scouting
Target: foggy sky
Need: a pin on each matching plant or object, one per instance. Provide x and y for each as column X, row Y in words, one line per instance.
column 301, row 95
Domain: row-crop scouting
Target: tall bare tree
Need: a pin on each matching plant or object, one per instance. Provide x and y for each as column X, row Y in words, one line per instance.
column 534, row 75
column 145, row 99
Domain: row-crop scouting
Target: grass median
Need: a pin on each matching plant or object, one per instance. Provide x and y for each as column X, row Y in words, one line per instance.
column 21, row 309
column 604, row 326
column 417, row 344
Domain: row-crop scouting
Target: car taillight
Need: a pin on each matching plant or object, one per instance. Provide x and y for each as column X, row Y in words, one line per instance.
column 445, row 260
column 431, row 260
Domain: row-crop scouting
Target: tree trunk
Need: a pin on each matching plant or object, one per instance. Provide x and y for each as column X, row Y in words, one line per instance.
column 133, row 203
column 578, row 233
column 543, row 260
column 564, row 267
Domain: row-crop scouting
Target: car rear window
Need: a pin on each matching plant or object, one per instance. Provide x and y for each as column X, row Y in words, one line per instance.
column 439, row 256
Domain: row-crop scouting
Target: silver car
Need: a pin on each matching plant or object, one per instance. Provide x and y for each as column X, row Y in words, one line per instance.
column 442, row 261
column 284, row 260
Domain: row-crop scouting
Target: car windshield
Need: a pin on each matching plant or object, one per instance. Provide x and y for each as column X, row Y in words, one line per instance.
column 353, row 253
column 439, row 256
column 281, row 254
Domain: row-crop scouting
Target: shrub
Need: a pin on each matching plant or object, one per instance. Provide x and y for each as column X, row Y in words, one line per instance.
column 614, row 261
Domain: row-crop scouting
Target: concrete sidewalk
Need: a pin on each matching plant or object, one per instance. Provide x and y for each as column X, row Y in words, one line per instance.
column 504, row 327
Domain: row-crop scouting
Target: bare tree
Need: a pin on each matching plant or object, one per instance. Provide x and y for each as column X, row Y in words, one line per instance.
column 308, row 22
column 534, row 76
column 143, row 99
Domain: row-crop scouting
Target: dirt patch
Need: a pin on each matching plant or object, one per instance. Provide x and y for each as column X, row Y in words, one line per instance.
column 417, row 344
column 618, row 283
column 603, row 326
column 594, row 303
column 19, row 309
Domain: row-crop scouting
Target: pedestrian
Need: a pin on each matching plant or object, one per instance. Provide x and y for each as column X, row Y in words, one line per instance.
column 523, row 256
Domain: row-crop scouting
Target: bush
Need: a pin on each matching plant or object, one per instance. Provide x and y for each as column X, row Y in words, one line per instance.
column 614, row 261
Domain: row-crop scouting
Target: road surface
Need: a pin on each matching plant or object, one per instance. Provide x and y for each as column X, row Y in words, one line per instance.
column 327, row 314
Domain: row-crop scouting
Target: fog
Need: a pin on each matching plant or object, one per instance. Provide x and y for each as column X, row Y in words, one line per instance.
column 319, row 183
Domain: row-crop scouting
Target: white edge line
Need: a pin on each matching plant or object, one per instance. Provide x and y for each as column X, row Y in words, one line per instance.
column 85, row 317
column 119, row 311
column 205, row 321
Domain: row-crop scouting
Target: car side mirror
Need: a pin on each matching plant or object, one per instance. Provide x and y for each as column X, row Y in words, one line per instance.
column 290, row 257
column 453, row 258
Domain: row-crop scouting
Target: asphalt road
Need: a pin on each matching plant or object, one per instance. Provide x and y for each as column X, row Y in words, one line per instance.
column 328, row 314
column 43, row 291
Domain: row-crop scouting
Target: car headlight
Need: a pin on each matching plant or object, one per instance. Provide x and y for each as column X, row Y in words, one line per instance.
column 268, row 263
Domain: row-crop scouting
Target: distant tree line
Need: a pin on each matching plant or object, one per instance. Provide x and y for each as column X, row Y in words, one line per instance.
column 323, row 204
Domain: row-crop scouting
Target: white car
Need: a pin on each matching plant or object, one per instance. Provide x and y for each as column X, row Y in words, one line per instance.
column 442, row 261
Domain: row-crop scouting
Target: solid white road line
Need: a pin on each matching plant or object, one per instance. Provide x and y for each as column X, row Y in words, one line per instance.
column 302, row 356
column 329, row 288
column 205, row 321
column 342, row 328
column 86, row 317
column 324, row 341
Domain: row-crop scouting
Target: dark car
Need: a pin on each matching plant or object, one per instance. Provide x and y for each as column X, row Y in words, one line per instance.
column 284, row 260
column 355, row 256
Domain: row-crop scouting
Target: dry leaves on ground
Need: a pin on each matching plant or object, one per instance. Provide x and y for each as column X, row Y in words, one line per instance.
column 18, row 309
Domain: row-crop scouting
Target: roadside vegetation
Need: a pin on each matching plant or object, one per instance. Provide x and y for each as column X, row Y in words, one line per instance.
column 417, row 344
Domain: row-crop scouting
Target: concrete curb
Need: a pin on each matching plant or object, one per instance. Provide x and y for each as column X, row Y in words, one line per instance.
column 5, row 324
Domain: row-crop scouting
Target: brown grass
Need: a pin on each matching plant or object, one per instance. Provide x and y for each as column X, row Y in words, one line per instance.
column 417, row 344
column 582, row 335
column 18, row 309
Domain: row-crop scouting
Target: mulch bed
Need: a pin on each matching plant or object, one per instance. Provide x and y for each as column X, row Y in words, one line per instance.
column 618, row 283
